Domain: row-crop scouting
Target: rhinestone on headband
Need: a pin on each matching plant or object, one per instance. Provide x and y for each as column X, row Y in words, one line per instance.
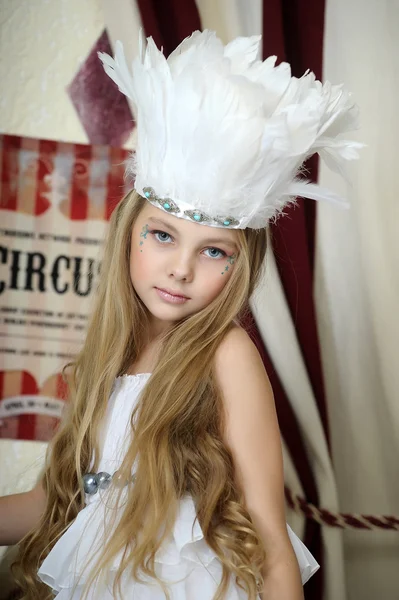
column 92, row 482
column 195, row 215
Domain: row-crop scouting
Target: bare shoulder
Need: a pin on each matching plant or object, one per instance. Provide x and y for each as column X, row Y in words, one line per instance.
column 243, row 381
column 239, row 366
column 251, row 432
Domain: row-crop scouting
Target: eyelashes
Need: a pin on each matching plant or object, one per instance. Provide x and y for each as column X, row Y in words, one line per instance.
column 155, row 232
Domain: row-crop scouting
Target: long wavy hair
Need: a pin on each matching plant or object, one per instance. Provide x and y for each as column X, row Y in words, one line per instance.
column 177, row 442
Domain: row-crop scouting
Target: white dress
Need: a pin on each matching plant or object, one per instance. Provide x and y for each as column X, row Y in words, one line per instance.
column 184, row 558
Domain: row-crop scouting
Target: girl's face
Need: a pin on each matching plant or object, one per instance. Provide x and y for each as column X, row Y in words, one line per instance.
column 186, row 258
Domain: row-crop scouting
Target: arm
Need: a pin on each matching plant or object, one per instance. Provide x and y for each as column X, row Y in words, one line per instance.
column 19, row 513
column 252, row 434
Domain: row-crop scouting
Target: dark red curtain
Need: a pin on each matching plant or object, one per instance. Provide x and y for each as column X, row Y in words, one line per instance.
column 293, row 30
column 169, row 21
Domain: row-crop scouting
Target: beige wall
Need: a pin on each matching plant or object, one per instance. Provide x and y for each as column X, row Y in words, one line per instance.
column 42, row 45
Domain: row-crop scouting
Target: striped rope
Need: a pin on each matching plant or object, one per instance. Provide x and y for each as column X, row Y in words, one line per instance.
column 341, row 520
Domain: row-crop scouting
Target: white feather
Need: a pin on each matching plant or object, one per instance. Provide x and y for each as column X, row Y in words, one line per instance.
column 224, row 133
column 316, row 192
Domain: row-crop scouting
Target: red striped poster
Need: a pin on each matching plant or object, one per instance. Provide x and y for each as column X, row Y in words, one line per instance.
column 55, row 203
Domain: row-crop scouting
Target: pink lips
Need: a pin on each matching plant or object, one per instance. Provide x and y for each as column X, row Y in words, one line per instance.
column 170, row 297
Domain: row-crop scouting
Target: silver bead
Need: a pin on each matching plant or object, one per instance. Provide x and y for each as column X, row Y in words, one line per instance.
column 104, row 479
column 118, row 481
column 90, row 483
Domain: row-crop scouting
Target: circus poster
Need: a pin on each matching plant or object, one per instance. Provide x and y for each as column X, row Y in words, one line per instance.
column 55, row 202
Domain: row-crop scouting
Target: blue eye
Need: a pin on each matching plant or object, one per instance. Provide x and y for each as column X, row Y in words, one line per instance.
column 221, row 252
column 156, row 232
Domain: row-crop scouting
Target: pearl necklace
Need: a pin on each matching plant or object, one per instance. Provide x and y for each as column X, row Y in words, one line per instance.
column 92, row 482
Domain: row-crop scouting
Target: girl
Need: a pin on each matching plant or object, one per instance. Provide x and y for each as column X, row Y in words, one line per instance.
column 165, row 478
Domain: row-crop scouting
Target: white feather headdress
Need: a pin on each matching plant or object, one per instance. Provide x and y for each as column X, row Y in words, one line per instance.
column 222, row 136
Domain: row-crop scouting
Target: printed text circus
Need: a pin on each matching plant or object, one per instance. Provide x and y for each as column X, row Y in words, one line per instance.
column 35, row 272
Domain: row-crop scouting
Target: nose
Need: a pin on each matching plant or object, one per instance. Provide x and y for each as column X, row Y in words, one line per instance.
column 181, row 269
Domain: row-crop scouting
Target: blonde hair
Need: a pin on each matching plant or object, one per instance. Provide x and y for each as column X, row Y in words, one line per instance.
column 178, row 446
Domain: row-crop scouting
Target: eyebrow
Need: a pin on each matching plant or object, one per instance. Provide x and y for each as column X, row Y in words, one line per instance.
column 207, row 241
